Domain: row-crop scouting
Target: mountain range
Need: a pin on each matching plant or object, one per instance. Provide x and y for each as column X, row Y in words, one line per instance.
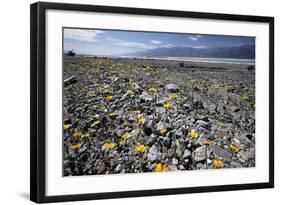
column 236, row 52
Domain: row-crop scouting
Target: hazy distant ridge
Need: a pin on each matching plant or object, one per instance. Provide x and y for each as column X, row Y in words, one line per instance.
column 239, row 52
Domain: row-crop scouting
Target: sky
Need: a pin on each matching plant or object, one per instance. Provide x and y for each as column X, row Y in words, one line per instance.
column 110, row 42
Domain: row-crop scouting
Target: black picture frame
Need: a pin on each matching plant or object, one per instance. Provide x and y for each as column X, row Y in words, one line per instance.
column 38, row 101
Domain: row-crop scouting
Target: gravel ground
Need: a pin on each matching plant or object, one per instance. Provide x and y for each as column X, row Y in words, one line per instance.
column 136, row 115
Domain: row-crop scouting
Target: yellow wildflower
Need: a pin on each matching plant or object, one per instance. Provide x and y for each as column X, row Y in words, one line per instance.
column 245, row 98
column 182, row 91
column 193, row 81
column 173, row 97
column 125, row 135
column 122, row 142
column 96, row 122
column 207, row 142
column 66, row 126
column 168, row 105
column 141, row 148
column 130, row 92
column 194, row 134
column 163, row 131
column 141, row 120
column 109, row 145
column 160, row 167
column 234, row 148
column 77, row 134
column 87, row 135
column 108, row 98
column 75, row 146
column 153, row 90
column 217, row 86
column 103, row 108
column 218, row 163
column 112, row 114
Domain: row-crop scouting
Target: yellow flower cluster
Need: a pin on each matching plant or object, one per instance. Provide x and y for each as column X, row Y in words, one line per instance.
column 193, row 81
column 108, row 98
column 207, row 142
column 193, row 134
column 173, row 97
column 160, row 167
column 130, row 92
column 125, row 135
column 122, row 142
column 141, row 148
column 245, row 98
column 168, row 105
column 112, row 114
column 141, row 120
column 163, row 131
column 109, row 145
column 65, row 127
column 75, row 146
column 153, row 90
column 97, row 122
column 217, row 86
column 77, row 134
column 218, row 163
column 234, row 148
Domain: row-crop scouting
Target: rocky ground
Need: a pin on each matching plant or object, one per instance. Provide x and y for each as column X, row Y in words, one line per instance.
column 133, row 115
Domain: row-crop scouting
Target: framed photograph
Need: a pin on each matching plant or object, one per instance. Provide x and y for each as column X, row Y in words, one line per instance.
column 129, row 102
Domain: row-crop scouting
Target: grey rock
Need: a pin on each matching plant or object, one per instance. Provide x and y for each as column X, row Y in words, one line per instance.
column 135, row 133
column 160, row 110
column 160, row 102
column 179, row 151
column 101, row 168
column 246, row 155
column 148, row 127
column 145, row 97
column 118, row 168
column 172, row 168
column 212, row 107
column 200, row 154
column 179, row 133
column 172, row 88
column 175, row 161
column 201, row 166
column 170, row 152
column 236, row 164
column 153, row 153
column 220, row 153
column 186, row 154
column 160, row 126
column 132, row 119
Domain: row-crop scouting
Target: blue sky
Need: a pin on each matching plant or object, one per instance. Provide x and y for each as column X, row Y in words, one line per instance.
column 110, row 42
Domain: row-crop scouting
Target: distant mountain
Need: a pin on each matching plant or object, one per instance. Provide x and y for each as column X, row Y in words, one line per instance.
column 239, row 52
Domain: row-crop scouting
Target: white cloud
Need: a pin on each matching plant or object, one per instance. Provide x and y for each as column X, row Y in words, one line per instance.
column 161, row 44
column 134, row 45
column 113, row 39
column 82, row 34
column 153, row 44
column 199, row 46
column 156, row 42
column 166, row 45
column 195, row 37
